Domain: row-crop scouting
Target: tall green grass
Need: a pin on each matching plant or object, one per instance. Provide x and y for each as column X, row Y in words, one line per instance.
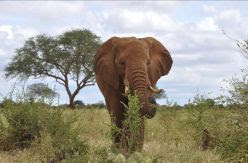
column 44, row 130
column 173, row 135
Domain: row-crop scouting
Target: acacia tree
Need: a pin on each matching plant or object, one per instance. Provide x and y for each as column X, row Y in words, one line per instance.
column 40, row 92
column 243, row 46
column 238, row 89
column 67, row 58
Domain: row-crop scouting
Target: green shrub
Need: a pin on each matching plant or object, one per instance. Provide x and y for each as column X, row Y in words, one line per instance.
column 132, row 132
column 227, row 131
column 135, row 157
column 101, row 154
column 133, row 127
column 237, row 88
column 120, row 158
column 20, row 125
column 232, row 141
column 31, row 125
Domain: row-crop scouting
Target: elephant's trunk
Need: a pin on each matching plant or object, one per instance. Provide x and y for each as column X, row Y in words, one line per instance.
column 138, row 81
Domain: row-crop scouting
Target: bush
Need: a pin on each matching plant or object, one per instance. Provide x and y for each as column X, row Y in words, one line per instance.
column 135, row 157
column 133, row 127
column 133, row 130
column 31, row 125
column 236, row 91
column 227, row 131
column 232, row 141
column 100, row 154
column 79, row 103
column 19, row 125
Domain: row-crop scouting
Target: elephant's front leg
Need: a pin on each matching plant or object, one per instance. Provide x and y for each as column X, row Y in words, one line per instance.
column 116, row 111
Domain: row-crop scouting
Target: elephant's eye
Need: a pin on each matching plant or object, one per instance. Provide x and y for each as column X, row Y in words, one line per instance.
column 122, row 62
column 148, row 62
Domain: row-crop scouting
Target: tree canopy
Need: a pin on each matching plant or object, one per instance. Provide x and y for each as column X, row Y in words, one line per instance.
column 238, row 89
column 67, row 58
column 243, row 45
column 40, row 92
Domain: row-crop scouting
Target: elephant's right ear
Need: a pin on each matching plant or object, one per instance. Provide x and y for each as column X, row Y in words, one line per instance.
column 104, row 63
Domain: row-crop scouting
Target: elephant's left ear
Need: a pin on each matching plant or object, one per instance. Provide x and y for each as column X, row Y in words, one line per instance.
column 160, row 59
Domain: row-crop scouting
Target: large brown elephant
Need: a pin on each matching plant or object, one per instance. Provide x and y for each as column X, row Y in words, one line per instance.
column 130, row 63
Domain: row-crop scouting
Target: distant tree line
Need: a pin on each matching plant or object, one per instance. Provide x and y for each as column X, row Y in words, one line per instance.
column 81, row 105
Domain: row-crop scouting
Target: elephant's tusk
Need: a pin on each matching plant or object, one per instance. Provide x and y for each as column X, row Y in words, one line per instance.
column 126, row 90
column 155, row 90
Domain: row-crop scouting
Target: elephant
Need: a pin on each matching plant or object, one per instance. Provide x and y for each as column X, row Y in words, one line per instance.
column 123, row 64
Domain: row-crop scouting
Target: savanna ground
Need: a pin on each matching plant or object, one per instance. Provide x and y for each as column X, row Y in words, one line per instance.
column 173, row 135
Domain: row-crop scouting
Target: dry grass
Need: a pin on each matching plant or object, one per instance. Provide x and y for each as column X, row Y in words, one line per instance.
column 168, row 137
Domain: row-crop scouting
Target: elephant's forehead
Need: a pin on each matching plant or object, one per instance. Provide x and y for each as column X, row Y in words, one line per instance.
column 136, row 45
column 137, row 52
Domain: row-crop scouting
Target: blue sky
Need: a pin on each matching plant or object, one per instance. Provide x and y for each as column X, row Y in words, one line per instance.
column 191, row 31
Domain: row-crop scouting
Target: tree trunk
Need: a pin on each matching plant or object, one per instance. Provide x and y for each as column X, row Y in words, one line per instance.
column 71, row 105
column 72, row 97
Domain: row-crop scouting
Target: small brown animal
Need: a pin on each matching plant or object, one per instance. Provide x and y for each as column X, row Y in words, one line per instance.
column 206, row 140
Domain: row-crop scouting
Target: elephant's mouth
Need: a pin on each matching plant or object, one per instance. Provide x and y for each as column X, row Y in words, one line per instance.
column 149, row 109
column 152, row 100
column 150, row 113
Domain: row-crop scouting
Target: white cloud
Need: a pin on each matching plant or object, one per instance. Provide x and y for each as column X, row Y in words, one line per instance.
column 233, row 23
column 139, row 21
column 207, row 24
column 12, row 37
column 209, row 9
column 202, row 54
column 233, row 14
column 43, row 10
column 2, row 52
column 6, row 29
column 25, row 32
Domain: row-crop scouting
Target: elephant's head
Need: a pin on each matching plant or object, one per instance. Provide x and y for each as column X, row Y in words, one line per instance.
column 135, row 63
